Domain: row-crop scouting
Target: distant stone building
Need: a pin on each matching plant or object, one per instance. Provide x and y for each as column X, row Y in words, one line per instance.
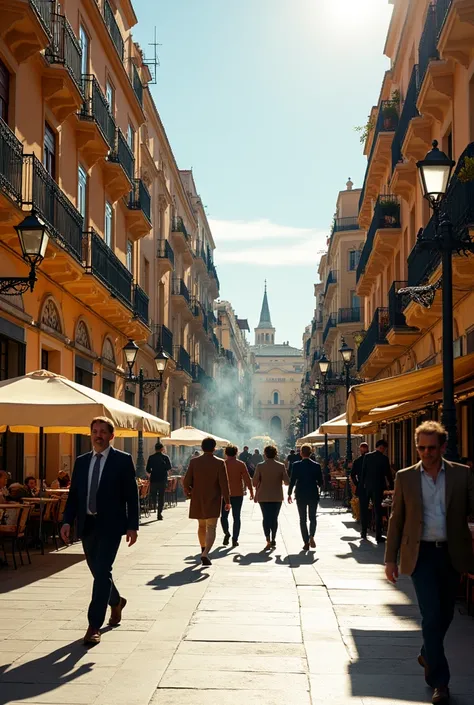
column 276, row 384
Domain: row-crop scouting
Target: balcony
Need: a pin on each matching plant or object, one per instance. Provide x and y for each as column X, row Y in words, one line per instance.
column 348, row 315
column 96, row 127
column 140, row 304
column 163, row 339
column 382, row 239
column 343, row 224
column 372, row 352
column 165, row 258
column 119, row 168
column 183, row 361
column 214, row 278
column 330, row 324
column 456, row 30
column 181, row 298
column 379, row 157
column 181, row 241
column 399, row 333
column 26, row 27
column 138, row 214
column 137, row 84
column 11, row 173
column 41, row 193
column 62, row 87
column 331, row 279
column 409, row 111
column 200, row 261
column 114, row 29
column 198, row 374
column 197, row 311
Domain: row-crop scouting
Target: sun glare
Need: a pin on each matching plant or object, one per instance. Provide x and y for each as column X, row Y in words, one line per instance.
column 352, row 13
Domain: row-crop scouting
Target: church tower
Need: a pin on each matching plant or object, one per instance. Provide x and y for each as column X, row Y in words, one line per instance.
column 265, row 332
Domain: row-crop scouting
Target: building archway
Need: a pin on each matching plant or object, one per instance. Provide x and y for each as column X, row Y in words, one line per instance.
column 275, row 425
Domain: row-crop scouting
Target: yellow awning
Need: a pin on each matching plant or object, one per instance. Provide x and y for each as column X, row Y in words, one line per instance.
column 395, row 396
column 339, row 425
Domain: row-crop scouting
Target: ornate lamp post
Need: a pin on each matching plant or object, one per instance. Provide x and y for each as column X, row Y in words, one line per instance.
column 145, row 386
column 324, row 365
column 347, row 358
column 34, row 236
column 185, row 410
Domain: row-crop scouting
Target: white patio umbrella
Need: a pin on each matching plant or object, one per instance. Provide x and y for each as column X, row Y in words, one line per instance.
column 190, row 436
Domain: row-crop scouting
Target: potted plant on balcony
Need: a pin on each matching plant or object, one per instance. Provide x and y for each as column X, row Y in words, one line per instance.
column 466, row 172
column 390, row 212
column 390, row 116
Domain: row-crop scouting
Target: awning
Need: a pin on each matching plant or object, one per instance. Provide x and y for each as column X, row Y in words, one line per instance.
column 190, row 436
column 338, row 425
column 394, row 396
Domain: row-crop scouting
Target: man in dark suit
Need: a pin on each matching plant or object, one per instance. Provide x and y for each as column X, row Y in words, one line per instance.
column 157, row 470
column 103, row 498
column 375, row 478
column 356, row 471
column 307, row 479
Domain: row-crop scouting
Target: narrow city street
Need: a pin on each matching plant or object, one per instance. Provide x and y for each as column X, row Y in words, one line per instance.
column 284, row 628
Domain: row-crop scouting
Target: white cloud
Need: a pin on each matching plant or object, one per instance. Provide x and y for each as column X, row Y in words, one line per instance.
column 253, row 230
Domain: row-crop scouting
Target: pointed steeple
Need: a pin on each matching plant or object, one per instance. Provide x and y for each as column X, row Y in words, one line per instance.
column 265, row 320
column 265, row 332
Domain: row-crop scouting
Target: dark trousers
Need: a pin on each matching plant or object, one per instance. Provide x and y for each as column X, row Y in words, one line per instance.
column 100, row 550
column 236, row 504
column 364, row 498
column 270, row 512
column 436, row 583
column 307, row 509
column 157, row 490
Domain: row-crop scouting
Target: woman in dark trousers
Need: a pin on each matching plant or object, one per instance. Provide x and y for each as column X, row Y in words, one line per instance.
column 268, row 480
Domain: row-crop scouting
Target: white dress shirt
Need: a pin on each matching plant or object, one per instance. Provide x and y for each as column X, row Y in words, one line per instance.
column 434, row 506
column 103, row 459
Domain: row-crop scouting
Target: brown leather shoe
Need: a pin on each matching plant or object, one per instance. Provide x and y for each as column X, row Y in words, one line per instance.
column 92, row 636
column 440, row 696
column 116, row 613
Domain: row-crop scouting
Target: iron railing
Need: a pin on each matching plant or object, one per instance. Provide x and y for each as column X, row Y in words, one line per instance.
column 163, row 339
column 140, row 304
column 44, row 8
column 422, row 262
column 41, row 192
column 395, row 305
column 330, row 323
column 95, row 107
column 179, row 288
column 375, row 336
column 198, row 373
column 212, row 318
column 139, row 199
column 114, row 29
column 137, row 84
column 183, row 360
column 11, row 163
column 64, row 48
column 386, row 215
column 348, row 315
column 122, row 154
column 196, row 307
column 213, row 272
column 104, row 264
column 428, row 46
column 179, row 226
column 388, row 120
column 332, row 279
column 409, row 111
column 345, row 224
column 165, row 251
column 442, row 9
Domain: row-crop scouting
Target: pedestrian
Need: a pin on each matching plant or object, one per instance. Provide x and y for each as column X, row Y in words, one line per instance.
column 206, row 482
column 428, row 528
column 30, row 484
column 157, row 468
column 268, row 479
column 291, row 458
column 356, row 471
column 374, row 479
column 103, row 499
column 238, row 479
column 256, row 458
column 245, row 455
column 307, row 481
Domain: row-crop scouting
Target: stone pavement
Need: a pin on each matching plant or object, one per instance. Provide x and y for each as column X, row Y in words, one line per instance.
column 282, row 629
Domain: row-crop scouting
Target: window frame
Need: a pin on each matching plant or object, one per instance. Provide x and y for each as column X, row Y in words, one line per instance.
column 82, row 172
column 109, row 231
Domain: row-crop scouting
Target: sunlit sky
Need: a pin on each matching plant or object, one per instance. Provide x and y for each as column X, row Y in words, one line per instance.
column 260, row 98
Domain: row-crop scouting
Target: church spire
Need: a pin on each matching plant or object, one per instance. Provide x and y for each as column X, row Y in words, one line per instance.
column 265, row 332
column 265, row 320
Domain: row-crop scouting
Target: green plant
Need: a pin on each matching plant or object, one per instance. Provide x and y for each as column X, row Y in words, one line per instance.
column 466, row 172
column 390, row 111
column 389, row 206
column 365, row 130
column 396, row 96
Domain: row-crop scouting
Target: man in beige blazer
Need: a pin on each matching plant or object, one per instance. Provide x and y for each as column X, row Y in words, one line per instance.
column 206, row 482
column 428, row 533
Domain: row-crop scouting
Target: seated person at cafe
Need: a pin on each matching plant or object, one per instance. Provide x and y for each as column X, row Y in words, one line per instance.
column 62, row 481
column 30, row 484
column 4, row 493
column 17, row 491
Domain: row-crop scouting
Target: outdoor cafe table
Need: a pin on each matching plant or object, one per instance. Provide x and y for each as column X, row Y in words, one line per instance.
column 59, row 492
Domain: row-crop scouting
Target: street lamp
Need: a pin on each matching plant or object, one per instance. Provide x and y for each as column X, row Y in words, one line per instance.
column 347, row 359
column 33, row 236
column 324, row 365
column 145, row 386
column 185, row 409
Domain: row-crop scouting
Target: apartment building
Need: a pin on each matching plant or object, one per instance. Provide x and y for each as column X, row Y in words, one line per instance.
column 427, row 94
column 130, row 251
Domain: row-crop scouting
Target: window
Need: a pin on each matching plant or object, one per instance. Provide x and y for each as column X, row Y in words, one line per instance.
column 4, row 91
column 81, row 191
column 470, row 341
column 108, row 387
column 146, row 275
column 108, row 228
column 44, row 359
column 457, row 347
column 355, row 300
column 131, row 138
column 129, row 256
column 84, row 42
column 110, row 96
column 354, row 257
column 49, row 151
column 276, row 398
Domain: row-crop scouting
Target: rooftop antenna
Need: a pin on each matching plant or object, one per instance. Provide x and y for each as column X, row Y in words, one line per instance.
column 154, row 62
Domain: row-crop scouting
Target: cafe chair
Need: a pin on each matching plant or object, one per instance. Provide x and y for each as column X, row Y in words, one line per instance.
column 16, row 534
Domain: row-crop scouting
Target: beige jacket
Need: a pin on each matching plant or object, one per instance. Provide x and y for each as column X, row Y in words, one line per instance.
column 206, row 482
column 406, row 522
column 268, row 479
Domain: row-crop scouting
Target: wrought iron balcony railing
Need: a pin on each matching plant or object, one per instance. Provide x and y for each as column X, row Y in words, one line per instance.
column 348, row 315
column 409, row 111
column 395, row 305
column 165, row 251
column 44, row 8
column 442, row 8
column 140, row 304
column 386, row 215
column 330, row 323
column 64, row 48
column 376, row 335
column 114, row 29
column 183, row 361
column 179, row 288
column 11, row 163
column 104, row 264
column 179, row 226
column 163, row 338
column 388, row 120
column 345, row 224
column 95, row 107
column 139, row 199
column 428, row 46
column 122, row 154
column 332, row 279
column 41, row 192
column 137, row 84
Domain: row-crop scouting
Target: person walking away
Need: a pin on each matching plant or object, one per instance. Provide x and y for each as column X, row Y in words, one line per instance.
column 103, row 498
column 268, row 480
column 356, row 471
column 307, row 481
column 256, row 458
column 246, row 458
column 206, row 482
column 428, row 533
column 157, row 468
column 238, row 479
column 374, row 479
column 291, row 458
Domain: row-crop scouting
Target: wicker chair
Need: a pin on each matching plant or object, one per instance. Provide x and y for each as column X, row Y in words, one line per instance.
column 144, row 497
column 16, row 535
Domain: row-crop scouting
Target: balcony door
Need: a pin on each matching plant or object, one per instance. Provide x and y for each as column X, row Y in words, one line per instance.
column 84, row 42
column 49, row 151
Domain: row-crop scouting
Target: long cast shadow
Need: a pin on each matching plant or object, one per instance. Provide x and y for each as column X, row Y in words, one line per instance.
column 52, row 563
column 190, row 574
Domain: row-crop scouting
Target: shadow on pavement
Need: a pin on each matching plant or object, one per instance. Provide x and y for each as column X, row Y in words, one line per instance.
column 52, row 563
column 191, row 574
column 42, row 675
column 249, row 558
column 295, row 560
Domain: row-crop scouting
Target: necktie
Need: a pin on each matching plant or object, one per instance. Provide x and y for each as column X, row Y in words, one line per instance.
column 94, row 485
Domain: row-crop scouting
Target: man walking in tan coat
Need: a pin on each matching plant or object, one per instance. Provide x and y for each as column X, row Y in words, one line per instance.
column 428, row 532
column 206, row 482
